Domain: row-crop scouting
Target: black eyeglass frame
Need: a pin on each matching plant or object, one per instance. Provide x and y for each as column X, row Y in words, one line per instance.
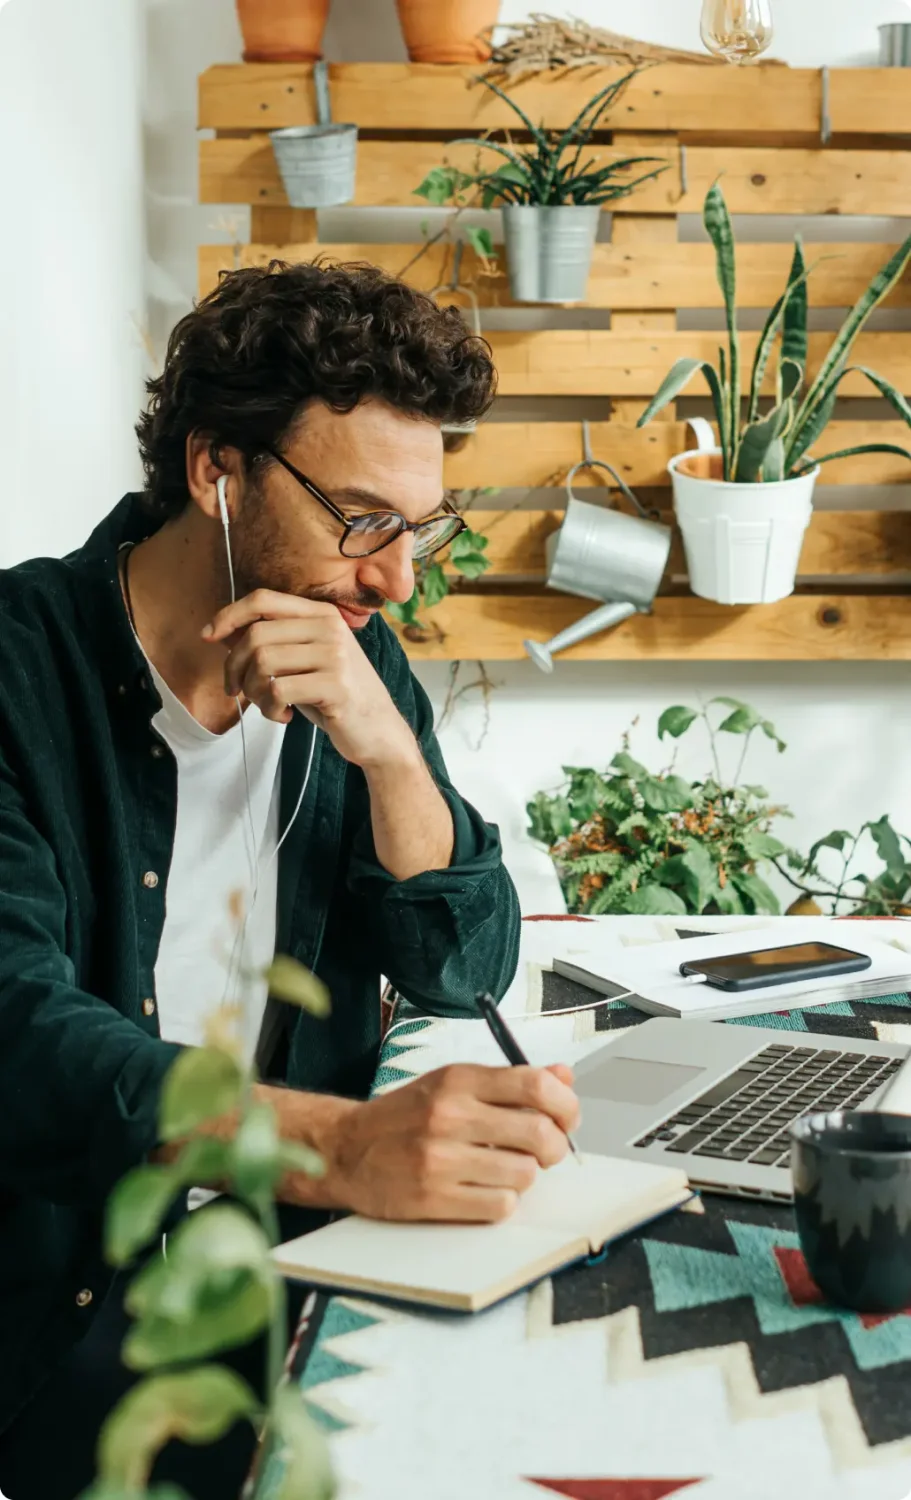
column 350, row 522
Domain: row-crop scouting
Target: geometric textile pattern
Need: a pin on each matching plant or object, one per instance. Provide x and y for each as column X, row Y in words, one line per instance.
column 735, row 1275
column 615, row 1489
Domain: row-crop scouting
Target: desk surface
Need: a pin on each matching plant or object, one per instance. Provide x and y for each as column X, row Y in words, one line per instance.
column 696, row 1358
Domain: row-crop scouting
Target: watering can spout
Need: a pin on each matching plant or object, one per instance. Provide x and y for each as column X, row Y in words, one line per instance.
column 541, row 652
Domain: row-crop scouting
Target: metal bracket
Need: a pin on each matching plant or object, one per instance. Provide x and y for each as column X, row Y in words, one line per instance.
column 587, row 455
column 588, row 461
column 825, row 116
column 321, row 84
column 684, row 173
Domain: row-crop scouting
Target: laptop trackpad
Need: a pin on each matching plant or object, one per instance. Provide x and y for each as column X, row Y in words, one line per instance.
column 633, row 1080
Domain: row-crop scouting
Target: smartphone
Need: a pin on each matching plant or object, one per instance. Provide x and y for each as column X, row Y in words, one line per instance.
column 768, row 966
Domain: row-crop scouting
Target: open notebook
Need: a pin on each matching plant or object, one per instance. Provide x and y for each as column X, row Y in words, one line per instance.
column 571, row 1211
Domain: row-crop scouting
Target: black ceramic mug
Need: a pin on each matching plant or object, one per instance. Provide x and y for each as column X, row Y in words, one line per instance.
column 852, row 1196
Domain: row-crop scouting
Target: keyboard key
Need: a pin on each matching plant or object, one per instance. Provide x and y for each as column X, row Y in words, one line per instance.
column 767, row 1156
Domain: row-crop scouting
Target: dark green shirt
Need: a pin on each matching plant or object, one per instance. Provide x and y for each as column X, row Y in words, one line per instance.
column 88, row 798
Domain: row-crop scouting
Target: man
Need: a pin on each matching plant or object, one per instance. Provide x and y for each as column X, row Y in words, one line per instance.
column 162, row 748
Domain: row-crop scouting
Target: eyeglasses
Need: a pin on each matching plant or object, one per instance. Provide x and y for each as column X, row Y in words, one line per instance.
column 369, row 533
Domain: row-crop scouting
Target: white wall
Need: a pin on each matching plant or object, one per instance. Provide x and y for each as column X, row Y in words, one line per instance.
column 78, row 113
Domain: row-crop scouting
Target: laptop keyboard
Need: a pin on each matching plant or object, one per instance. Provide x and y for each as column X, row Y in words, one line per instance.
column 746, row 1116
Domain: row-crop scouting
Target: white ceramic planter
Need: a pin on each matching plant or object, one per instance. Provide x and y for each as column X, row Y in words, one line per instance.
column 742, row 541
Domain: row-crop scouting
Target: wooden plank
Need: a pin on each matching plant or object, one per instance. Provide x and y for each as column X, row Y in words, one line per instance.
column 850, row 544
column 593, row 362
column 269, row 223
column 536, row 454
column 652, row 276
column 632, row 233
column 869, row 100
column 757, row 180
column 674, row 96
column 479, row 627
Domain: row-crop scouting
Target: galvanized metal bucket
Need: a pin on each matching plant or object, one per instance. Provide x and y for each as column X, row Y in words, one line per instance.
column 602, row 554
column 549, row 250
column 317, row 162
column 895, row 45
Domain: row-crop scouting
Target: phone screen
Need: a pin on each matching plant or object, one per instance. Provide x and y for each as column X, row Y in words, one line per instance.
column 767, row 962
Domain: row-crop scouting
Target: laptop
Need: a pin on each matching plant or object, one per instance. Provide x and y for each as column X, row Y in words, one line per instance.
column 717, row 1101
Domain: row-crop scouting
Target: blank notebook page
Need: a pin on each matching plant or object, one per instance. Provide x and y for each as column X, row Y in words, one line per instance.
column 571, row 1208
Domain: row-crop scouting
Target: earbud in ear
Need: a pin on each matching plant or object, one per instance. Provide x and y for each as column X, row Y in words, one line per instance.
column 221, row 487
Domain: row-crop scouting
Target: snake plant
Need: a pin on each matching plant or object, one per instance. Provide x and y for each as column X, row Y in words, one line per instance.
column 776, row 444
column 549, row 172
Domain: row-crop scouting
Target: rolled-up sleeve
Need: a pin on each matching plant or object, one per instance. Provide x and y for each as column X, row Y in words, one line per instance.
column 442, row 936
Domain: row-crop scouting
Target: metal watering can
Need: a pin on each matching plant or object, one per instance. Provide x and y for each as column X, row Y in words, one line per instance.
column 602, row 554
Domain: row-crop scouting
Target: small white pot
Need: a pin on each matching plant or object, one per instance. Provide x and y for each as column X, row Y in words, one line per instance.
column 742, row 541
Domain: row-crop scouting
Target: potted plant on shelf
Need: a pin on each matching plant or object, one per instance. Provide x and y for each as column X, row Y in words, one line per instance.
column 216, row 1287
column 282, row 30
column 744, row 504
column 552, row 196
column 629, row 840
column 447, row 31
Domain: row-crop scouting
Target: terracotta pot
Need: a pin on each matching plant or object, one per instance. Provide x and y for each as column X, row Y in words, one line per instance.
column 446, row 31
column 282, row 30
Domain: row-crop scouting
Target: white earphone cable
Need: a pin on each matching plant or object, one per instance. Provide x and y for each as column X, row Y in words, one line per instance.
column 236, row 958
column 543, row 1015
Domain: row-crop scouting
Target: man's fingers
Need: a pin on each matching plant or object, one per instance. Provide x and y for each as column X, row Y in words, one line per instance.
column 520, row 1130
column 250, row 670
column 265, row 604
column 527, row 1088
column 464, row 1205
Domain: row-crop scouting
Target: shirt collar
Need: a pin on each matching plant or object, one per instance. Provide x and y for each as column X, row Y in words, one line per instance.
column 99, row 598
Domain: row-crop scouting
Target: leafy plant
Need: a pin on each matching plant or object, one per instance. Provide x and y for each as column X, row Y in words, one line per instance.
column 630, row 840
column 550, row 171
column 885, row 894
column 216, row 1288
column 775, row 443
column 466, row 555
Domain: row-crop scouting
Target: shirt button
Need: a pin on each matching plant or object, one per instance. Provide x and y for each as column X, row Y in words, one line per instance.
column 148, row 1006
column 150, row 880
column 121, row 690
column 157, row 752
column 83, row 1298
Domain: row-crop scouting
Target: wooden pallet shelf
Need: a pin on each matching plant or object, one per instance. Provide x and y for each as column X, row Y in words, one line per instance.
column 834, row 627
column 854, row 591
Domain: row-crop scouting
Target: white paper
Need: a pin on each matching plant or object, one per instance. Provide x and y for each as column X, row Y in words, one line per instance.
column 654, row 971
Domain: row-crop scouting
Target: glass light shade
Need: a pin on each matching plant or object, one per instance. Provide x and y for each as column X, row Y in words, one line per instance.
column 738, row 30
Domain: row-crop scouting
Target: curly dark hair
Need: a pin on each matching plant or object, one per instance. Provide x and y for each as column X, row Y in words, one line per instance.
column 268, row 339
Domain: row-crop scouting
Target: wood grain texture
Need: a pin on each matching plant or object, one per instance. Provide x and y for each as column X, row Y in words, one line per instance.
column 674, row 96
column 850, row 544
column 757, row 180
column 541, row 453
column 651, row 276
column 592, row 362
column 478, row 627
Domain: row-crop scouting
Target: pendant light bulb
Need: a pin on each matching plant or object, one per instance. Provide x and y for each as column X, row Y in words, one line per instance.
column 737, row 30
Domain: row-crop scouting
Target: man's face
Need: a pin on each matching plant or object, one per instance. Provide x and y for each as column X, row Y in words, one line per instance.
column 373, row 458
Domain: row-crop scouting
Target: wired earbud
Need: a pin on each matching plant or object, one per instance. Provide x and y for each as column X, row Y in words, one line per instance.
column 221, row 490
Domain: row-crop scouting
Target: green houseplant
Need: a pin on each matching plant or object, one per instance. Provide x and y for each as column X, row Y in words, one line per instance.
column 630, row 840
column 216, row 1287
column 762, row 471
column 827, row 873
column 552, row 195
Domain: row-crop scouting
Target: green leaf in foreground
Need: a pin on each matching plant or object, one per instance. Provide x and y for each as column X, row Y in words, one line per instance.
column 202, row 1084
column 135, row 1211
column 292, row 982
column 297, row 1462
column 197, row 1406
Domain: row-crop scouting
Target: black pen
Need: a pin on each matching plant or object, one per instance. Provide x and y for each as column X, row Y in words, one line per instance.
column 510, row 1047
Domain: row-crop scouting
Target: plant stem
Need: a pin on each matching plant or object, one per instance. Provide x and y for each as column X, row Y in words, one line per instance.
column 714, row 744
column 277, row 1338
column 743, row 756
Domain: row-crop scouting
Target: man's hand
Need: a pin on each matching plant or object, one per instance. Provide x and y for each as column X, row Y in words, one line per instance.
column 461, row 1143
column 284, row 652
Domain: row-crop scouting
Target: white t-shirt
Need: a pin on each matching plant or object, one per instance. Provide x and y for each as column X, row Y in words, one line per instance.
column 215, row 843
